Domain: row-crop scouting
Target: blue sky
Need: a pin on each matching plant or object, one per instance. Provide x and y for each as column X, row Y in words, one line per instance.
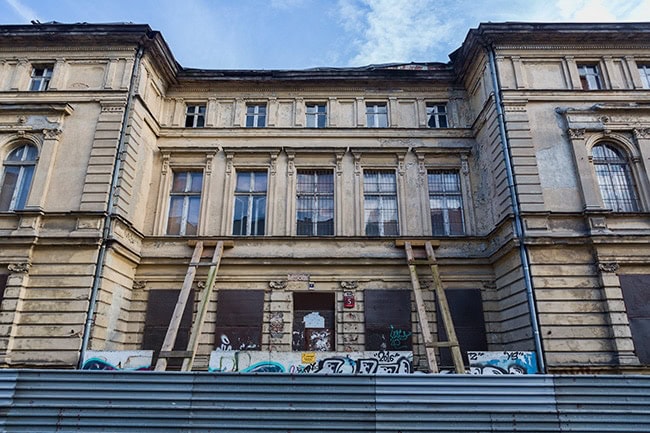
column 298, row 34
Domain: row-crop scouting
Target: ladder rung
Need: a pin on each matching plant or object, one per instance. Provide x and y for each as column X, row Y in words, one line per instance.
column 175, row 354
column 445, row 344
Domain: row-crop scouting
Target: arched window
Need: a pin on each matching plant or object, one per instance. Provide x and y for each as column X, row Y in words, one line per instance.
column 17, row 177
column 615, row 178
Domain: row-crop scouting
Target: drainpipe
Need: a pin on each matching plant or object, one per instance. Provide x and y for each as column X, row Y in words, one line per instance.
column 108, row 216
column 519, row 226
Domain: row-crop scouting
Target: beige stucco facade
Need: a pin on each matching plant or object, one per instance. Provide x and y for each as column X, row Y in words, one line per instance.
column 94, row 234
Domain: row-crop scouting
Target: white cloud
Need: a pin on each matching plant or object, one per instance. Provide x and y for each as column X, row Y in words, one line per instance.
column 395, row 31
column 25, row 12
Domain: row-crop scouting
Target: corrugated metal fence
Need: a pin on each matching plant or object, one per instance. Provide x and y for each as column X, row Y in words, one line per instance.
column 96, row 401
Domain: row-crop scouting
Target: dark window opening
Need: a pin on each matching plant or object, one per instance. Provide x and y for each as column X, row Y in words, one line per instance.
column 313, row 322
column 388, row 320
column 239, row 320
column 160, row 308
column 636, row 295
column 466, row 308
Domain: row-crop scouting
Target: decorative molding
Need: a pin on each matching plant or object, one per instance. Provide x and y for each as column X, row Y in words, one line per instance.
column 400, row 164
column 291, row 164
column 357, row 163
column 19, row 268
column 349, row 285
column 339, row 163
column 641, row 133
column 165, row 162
column 422, row 169
column 576, row 133
column 229, row 162
column 139, row 284
column 278, row 284
column 209, row 158
column 52, row 134
column 608, row 266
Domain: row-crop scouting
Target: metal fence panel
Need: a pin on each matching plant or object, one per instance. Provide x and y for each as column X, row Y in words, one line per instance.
column 99, row 401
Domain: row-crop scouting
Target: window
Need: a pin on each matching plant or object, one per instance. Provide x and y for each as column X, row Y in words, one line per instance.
column 41, row 76
column 256, row 116
column 445, row 203
column 238, row 324
column 615, row 179
column 195, row 116
column 160, row 308
column 185, row 203
column 314, row 320
column 315, row 203
column 17, row 177
column 316, row 115
column 644, row 71
column 388, row 320
column 636, row 297
column 436, row 115
column 250, row 203
column 590, row 77
column 376, row 115
column 380, row 203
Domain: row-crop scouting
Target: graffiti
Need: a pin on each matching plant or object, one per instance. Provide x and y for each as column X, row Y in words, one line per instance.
column 225, row 343
column 276, row 325
column 361, row 363
column 497, row 363
column 398, row 338
column 118, row 360
column 319, row 339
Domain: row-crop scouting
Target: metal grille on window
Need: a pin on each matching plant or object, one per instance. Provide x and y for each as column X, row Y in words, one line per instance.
column 380, row 203
column 250, row 203
column 17, row 177
column 446, row 203
column 185, row 203
column 615, row 179
column 315, row 203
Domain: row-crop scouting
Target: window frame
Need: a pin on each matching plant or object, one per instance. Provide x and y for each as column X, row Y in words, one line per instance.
column 374, row 115
column 382, row 196
column 42, row 80
column 258, row 119
column 317, row 116
column 433, row 114
column 644, row 74
column 195, row 115
column 187, row 196
column 590, row 80
column 26, row 167
column 445, row 195
column 317, row 198
column 251, row 206
column 607, row 186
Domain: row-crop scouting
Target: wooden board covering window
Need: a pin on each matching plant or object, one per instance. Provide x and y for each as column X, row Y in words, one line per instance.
column 313, row 339
column 466, row 308
column 636, row 294
column 160, row 307
column 3, row 285
column 388, row 320
column 239, row 319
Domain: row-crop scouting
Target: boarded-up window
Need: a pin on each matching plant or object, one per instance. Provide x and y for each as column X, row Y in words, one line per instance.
column 466, row 309
column 388, row 320
column 160, row 308
column 313, row 322
column 636, row 294
column 239, row 319
column 3, row 285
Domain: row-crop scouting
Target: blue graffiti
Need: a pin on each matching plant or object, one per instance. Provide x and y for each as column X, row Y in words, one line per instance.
column 265, row 367
column 100, row 364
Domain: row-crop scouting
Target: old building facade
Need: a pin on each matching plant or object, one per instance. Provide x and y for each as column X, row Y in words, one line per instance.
column 524, row 159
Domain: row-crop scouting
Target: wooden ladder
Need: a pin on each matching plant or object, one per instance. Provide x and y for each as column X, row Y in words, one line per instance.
column 189, row 354
column 445, row 313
